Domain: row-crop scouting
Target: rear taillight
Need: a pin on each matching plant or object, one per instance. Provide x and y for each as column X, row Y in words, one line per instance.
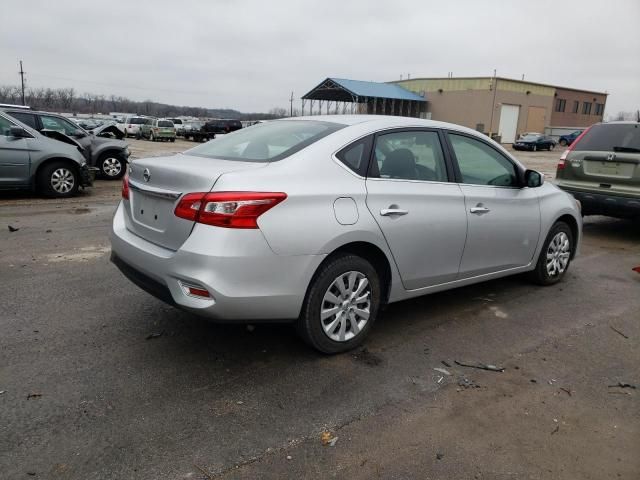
column 125, row 186
column 563, row 157
column 227, row 209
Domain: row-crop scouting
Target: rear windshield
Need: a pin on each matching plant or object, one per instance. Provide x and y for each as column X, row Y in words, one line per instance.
column 137, row 120
column 611, row 138
column 165, row 123
column 176, row 121
column 266, row 142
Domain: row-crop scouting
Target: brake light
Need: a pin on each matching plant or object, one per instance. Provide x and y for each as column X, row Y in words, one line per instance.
column 125, row 186
column 563, row 157
column 227, row 209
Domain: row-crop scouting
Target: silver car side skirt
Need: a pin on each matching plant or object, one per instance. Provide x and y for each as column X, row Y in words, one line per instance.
column 402, row 294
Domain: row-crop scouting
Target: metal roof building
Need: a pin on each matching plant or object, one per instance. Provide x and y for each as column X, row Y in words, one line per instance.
column 339, row 95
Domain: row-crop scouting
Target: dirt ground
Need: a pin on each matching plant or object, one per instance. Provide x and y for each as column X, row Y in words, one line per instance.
column 98, row 380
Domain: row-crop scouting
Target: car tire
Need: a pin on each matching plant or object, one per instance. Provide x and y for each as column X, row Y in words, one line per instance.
column 112, row 165
column 349, row 325
column 151, row 137
column 551, row 146
column 555, row 256
column 172, row 140
column 535, row 148
column 58, row 180
column 563, row 142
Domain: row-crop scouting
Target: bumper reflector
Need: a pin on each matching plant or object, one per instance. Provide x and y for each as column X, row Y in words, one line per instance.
column 197, row 291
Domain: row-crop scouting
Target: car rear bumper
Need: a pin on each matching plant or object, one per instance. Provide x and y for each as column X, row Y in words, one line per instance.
column 606, row 204
column 245, row 278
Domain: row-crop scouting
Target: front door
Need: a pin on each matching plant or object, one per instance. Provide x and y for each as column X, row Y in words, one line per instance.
column 420, row 212
column 503, row 218
column 14, row 157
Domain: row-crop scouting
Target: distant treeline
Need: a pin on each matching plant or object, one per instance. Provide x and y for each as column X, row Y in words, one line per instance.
column 67, row 100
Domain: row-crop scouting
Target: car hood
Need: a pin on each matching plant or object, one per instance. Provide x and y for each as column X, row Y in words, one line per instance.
column 106, row 130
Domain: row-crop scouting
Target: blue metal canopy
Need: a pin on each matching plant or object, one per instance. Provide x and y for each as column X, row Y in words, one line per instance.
column 344, row 90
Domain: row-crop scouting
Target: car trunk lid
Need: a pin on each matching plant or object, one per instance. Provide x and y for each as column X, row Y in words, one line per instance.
column 156, row 185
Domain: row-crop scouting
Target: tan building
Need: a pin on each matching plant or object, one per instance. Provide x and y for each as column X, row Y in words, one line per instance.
column 507, row 107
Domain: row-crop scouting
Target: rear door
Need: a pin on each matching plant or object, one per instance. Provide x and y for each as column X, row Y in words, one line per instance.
column 503, row 218
column 607, row 157
column 14, row 157
column 420, row 212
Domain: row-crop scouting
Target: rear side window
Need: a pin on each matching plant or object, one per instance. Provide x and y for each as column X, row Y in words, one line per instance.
column 25, row 118
column 356, row 155
column 620, row 137
column 266, row 142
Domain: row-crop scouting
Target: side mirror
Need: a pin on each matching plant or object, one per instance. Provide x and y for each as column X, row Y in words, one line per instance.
column 533, row 179
column 79, row 133
column 18, row 132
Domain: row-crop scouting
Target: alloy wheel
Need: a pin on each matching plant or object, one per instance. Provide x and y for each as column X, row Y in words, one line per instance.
column 62, row 180
column 558, row 254
column 111, row 167
column 346, row 306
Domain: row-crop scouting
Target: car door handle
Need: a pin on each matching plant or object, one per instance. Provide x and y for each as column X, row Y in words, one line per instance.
column 387, row 212
column 479, row 210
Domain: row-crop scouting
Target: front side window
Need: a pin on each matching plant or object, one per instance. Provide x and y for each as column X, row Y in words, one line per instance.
column 266, row 142
column 59, row 125
column 480, row 164
column 409, row 155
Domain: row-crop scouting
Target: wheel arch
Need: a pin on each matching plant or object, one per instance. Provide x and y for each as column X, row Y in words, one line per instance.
column 369, row 252
column 48, row 161
column 575, row 232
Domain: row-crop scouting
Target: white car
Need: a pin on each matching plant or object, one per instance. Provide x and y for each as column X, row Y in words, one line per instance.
column 131, row 125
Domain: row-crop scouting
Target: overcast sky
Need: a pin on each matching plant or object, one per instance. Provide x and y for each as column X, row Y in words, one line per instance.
column 250, row 54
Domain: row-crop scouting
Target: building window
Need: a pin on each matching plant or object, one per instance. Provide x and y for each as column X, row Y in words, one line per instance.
column 586, row 108
column 599, row 109
column 576, row 105
column 561, row 103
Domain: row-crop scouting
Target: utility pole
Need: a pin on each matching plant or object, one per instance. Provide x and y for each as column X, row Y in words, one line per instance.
column 21, row 72
column 291, row 105
column 493, row 103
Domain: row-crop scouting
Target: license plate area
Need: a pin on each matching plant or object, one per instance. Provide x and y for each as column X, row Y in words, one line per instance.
column 150, row 211
column 610, row 169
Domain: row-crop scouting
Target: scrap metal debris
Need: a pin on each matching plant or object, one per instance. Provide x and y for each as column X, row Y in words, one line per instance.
column 439, row 456
column 622, row 385
column 465, row 383
column 2, row 392
column 13, row 229
column 636, row 269
column 555, row 430
column 481, row 366
column 151, row 336
column 34, row 395
column 446, row 364
column 566, row 390
column 618, row 331
column 443, row 371
column 204, row 472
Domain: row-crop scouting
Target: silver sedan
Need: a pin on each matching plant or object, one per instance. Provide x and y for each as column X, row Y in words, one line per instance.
column 322, row 220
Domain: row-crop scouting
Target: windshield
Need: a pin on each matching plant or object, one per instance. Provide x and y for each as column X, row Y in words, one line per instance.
column 611, row 137
column 266, row 142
